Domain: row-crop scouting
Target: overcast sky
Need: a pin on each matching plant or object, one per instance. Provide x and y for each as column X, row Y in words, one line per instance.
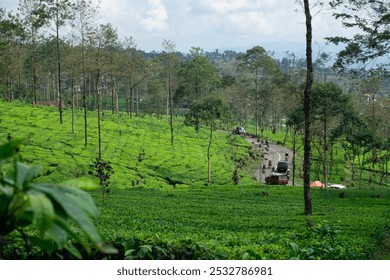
column 211, row 24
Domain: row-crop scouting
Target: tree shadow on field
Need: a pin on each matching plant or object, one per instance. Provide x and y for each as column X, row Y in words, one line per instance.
column 165, row 174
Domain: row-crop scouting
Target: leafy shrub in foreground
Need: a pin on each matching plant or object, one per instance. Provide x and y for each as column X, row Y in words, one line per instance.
column 48, row 210
column 323, row 242
column 320, row 242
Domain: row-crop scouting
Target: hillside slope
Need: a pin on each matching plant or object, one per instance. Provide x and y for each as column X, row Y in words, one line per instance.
column 139, row 148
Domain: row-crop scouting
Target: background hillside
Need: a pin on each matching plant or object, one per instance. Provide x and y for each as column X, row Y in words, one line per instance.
column 138, row 149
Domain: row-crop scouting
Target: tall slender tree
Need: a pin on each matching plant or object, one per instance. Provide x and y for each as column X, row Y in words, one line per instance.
column 328, row 103
column 85, row 17
column 306, row 107
column 209, row 111
column 59, row 12
column 170, row 60
column 136, row 69
column 33, row 17
column 295, row 121
column 102, row 40
column 11, row 36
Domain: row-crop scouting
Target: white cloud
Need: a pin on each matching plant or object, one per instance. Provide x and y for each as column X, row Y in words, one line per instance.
column 265, row 19
column 227, row 6
column 237, row 6
column 210, row 24
column 250, row 22
column 155, row 17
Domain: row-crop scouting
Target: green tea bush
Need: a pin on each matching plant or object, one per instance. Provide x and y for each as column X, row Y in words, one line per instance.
column 321, row 242
column 45, row 215
column 46, row 142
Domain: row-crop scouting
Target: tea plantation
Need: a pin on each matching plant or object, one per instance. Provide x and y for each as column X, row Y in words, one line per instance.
column 160, row 205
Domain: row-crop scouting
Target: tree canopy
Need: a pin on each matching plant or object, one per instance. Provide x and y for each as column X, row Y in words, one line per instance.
column 371, row 45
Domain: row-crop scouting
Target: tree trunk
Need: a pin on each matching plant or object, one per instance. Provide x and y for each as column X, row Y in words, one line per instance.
column 170, row 105
column 131, row 93
column 127, row 93
column 209, row 154
column 112, row 96
column 294, row 155
column 331, row 156
column 257, row 103
column 99, row 125
column 59, row 71
column 131, row 102
column 137, row 103
column 34, row 70
column 73, row 89
column 168, row 93
column 307, row 104
column 361, row 164
column 116, row 101
column 353, row 166
column 84, row 88
column 387, row 164
column 325, row 169
column 98, row 104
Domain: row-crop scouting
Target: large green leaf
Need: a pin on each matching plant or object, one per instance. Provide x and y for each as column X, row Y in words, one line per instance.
column 57, row 191
column 77, row 204
column 43, row 211
column 5, row 199
column 25, row 174
column 57, row 232
column 9, row 149
column 18, row 206
column 81, row 183
column 60, row 231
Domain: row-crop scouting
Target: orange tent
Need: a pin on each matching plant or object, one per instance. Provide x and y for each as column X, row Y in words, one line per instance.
column 317, row 184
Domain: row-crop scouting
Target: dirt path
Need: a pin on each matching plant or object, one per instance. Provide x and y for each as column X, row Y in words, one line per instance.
column 272, row 155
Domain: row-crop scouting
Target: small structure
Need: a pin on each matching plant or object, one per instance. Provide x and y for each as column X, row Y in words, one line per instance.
column 317, row 184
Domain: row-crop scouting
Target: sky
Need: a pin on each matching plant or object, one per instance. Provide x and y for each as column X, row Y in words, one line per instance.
column 213, row 24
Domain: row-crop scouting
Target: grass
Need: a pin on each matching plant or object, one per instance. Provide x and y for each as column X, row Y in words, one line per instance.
column 246, row 210
column 229, row 219
column 51, row 145
column 160, row 205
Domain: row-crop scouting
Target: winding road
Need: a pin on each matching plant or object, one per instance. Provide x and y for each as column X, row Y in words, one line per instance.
column 272, row 155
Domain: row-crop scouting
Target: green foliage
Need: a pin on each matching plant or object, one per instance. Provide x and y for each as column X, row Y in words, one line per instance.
column 103, row 170
column 258, row 59
column 314, row 243
column 328, row 100
column 198, row 78
column 236, row 177
column 323, row 242
column 371, row 41
column 207, row 111
column 49, row 208
column 240, row 223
